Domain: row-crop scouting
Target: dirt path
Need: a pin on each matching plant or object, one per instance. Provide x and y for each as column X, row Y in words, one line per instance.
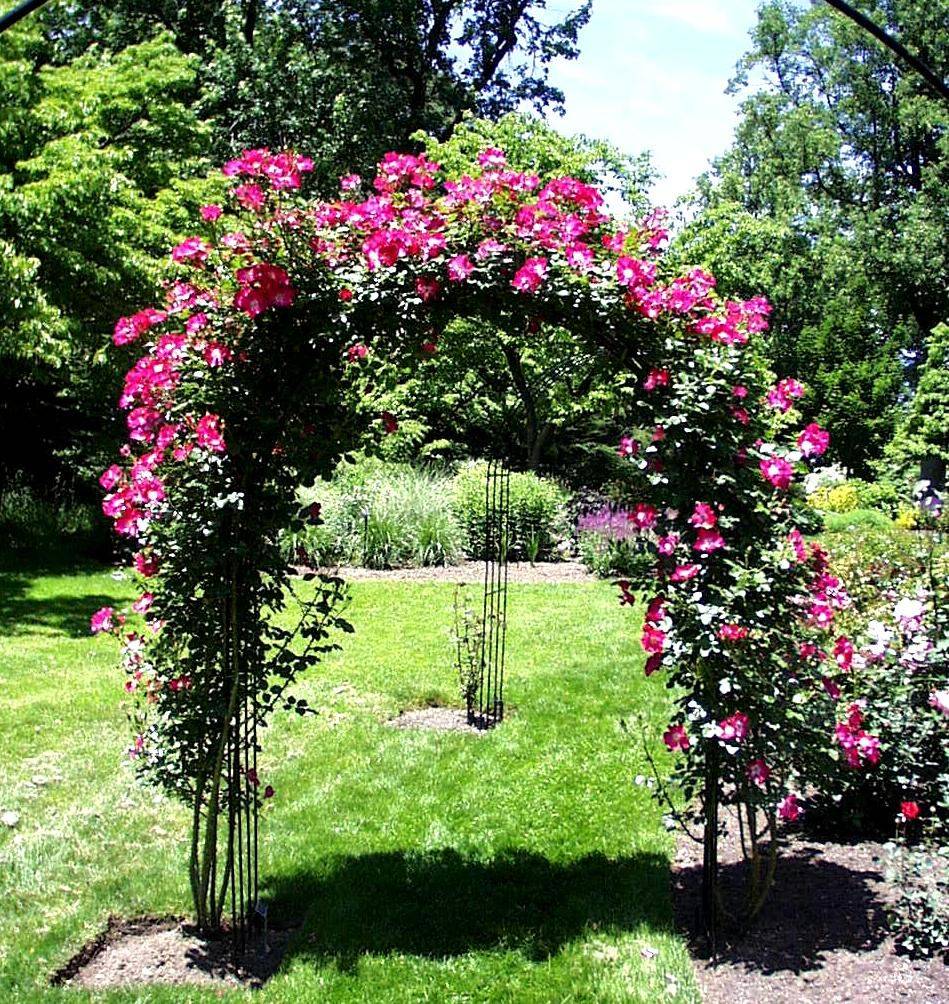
column 472, row 572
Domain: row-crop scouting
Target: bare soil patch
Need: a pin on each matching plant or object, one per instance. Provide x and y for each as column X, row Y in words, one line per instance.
column 438, row 719
column 167, row 950
column 471, row 572
column 821, row 936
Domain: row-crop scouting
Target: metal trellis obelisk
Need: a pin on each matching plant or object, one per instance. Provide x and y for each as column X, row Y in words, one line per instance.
column 486, row 704
column 243, row 804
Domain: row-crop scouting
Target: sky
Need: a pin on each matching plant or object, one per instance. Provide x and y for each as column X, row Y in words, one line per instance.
column 652, row 75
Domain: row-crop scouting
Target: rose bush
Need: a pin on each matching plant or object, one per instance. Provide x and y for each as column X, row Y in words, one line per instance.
column 283, row 300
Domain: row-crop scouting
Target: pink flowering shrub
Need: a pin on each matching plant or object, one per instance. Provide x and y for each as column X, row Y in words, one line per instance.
column 892, row 655
column 235, row 398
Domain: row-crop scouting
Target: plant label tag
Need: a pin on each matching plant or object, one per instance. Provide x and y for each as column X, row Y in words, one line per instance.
column 261, row 908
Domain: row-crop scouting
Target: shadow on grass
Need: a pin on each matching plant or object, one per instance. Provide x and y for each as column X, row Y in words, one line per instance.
column 62, row 614
column 442, row 904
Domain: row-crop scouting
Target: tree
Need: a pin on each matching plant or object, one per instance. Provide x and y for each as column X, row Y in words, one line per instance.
column 96, row 157
column 345, row 79
column 924, row 438
column 841, row 157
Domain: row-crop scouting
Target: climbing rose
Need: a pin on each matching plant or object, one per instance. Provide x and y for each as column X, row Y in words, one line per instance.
column 250, row 197
column 758, row 772
column 732, row 632
column 734, row 728
column 666, row 545
column 492, row 157
column 427, row 287
column 796, row 540
column 653, row 639
column 708, row 541
column 127, row 329
column 459, row 268
column 263, row 286
column 909, row 810
column 843, row 652
column 626, row 595
column 656, row 378
column 782, row 395
column 208, row 434
column 777, row 471
column 788, row 808
column 939, row 699
column 356, row 352
column 143, row 603
column 703, row 517
column 110, row 477
column 101, row 620
column 145, row 565
column 632, row 272
column 676, row 738
column 192, row 251
column 530, row 275
column 656, row 611
column 628, row 447
column 643, row 516
column 389, row 422
column 682, row 573
column 210, row 213
column 215, row 354
column 857, row 744
column 813, row 441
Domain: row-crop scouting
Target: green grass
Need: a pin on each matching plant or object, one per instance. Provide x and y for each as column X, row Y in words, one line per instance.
column 522, row 865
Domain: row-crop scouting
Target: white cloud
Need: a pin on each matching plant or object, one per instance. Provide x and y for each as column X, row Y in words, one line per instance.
column 720, row 17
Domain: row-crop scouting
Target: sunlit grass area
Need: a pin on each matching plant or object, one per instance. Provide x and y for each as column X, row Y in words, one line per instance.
column 519, row 865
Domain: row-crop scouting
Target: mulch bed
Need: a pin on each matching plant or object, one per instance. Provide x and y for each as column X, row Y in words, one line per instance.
column 167, row 950
column 437, row 719
column 820, row 937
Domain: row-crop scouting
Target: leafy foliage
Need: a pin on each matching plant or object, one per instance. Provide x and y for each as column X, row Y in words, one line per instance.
column 95, row 159
column 833, row 199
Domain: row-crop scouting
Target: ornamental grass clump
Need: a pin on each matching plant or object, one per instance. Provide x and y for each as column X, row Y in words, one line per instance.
column 237, row 396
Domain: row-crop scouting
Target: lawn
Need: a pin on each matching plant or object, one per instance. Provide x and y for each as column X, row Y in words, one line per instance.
column 522, row 865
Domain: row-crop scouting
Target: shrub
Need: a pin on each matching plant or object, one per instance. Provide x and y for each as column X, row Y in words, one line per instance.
column 537, row 522
column 30, row 521
column 607, row 545
column 379, row 515
column 906, row 518
column 847, row 522
column 899, row 622
column 919, row 917
column 854, row 493
column 836, row 498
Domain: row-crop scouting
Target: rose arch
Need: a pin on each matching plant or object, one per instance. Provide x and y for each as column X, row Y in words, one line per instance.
column 282, row 302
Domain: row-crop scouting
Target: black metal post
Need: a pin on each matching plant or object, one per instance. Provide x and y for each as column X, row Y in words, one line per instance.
column 490, row 690
column 18, row 13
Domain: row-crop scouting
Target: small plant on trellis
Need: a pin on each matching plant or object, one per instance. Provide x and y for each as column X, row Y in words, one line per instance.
column 468, row 638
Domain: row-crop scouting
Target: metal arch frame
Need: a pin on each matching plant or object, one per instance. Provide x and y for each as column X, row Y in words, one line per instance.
column 20, row 12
